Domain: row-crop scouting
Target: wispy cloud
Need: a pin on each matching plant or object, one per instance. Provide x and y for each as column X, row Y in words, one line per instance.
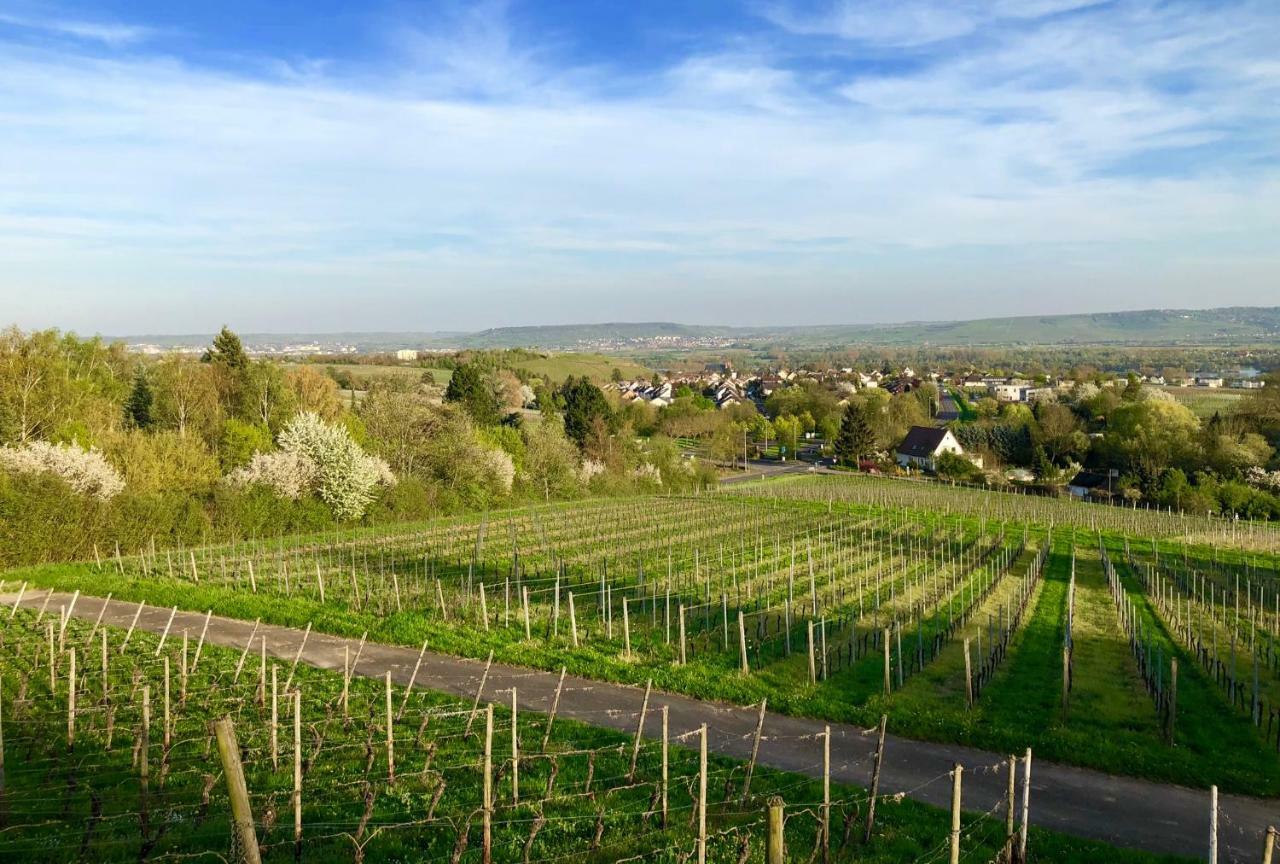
column 1118, row 155
column 108, row 33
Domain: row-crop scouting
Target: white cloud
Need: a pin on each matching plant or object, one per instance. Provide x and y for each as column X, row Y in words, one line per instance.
column 113, row 34
column 471, row 180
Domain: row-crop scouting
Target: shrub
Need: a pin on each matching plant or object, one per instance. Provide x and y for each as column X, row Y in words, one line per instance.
column 87, row 472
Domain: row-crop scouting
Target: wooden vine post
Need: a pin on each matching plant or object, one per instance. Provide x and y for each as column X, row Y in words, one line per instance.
column 487, row 803
column 391, row 733
column 775, row 843
column 755, row 751
column 826, row 794
column 297, row 774
column 956, row 775
column 875, row 780
column 1026, row 806
column 665, row 776
column 702, row 794
column 241, row 814
column 635, row 746
column 555, row 705
column 515, row 749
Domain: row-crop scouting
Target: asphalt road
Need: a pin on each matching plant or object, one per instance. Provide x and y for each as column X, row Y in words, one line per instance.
column 1119, row 810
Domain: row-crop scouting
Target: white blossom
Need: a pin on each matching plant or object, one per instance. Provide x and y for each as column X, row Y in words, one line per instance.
column 499, row 467
column 85, row 471
column 287, row 474
column 590, row 468
column 647, row 473
column 1263, row 479
column 316, row 456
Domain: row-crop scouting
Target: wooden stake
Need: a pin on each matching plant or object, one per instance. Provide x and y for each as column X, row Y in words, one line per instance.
column 956, row 775
column 391, row 734
column 875, row 780
column 742, row 644
column 1213, row 825
column 71, row 700
column 137, row 614
column 204, row 630
column 1268, row 842
column 165, row 634
column 813, row 668
column 245, row 653
column 528, row 629
column 297, row 774
column 702, row 794
column 665, row 754
column 887, row 668
column 275, row 718
column 412, row 678
column 573, row 621
column 826, row 794
column 635, row 746
column 775, row 844
column 1026, row 806
column 487, row 856
column 1171, row 719
column 515, row 749
column 555, row 705
column 17, row 601
column 968, row 677
column 484, row 608
column 626, row 629
column 241, row 813
column 1009, row 806
column 755, row 751
column 475, row 706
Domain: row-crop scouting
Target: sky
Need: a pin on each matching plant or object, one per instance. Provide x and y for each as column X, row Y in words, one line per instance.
column 327, row 166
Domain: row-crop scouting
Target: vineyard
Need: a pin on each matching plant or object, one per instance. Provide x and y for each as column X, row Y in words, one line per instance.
column 121, row 745
column 1134, row 642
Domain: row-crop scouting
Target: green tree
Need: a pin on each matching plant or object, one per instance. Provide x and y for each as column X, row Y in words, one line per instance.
column 473, row 389
column 856, row 437
column 137, row 408
column 584, row 403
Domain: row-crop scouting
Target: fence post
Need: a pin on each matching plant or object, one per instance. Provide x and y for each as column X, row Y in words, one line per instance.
column 1269, row 845
column 1026, row 806
column 1171, row 720
column 1009, row 807
column 956, row 775
column 391, row 734
column 241, row 815
column 742, row 644
column 776, row 845
column 887, row 684
column 968, row 677
column 1213, row 825
column 297, row 774
column 515, row 749
column 488, row 785
column 702, row 794
column 665, row 740
column 826, row 794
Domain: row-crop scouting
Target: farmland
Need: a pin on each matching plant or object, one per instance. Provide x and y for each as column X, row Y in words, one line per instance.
column 835, row 598
column 1206, row 402
column 125, row 745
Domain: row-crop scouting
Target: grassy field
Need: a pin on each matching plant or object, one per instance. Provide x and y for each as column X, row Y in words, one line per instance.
column 373, row 772
column 601, row 587
column 1205, row 401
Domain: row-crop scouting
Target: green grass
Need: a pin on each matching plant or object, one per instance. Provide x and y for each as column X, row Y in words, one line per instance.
column 1205, row 401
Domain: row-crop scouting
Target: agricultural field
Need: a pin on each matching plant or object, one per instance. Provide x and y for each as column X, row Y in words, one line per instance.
column 124, row 745
column 1205, row 401
column 829, row 597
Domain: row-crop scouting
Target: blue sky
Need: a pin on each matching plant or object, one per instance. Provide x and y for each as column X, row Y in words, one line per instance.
column 167, row 167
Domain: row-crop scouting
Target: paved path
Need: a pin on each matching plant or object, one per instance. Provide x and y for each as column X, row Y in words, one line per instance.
column 1119, row 810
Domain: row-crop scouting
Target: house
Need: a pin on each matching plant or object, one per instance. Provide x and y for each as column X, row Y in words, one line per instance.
column 1208, row 379
column 407, row 354
column 924, row 444
column 1086, row 483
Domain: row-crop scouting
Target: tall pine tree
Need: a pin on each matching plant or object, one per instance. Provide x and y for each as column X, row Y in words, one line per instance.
column 856, row 438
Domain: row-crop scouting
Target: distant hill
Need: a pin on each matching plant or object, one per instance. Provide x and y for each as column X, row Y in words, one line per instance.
column 1230, row 325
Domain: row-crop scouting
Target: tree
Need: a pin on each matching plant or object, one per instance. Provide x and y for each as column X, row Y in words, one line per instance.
column 1060, row 432
column 584, row 404
column 856, row 437
column 186, row 397
column 314, row 391
column 137, row 408
column 227, row 357
column 472, row 388
column 788, row 431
